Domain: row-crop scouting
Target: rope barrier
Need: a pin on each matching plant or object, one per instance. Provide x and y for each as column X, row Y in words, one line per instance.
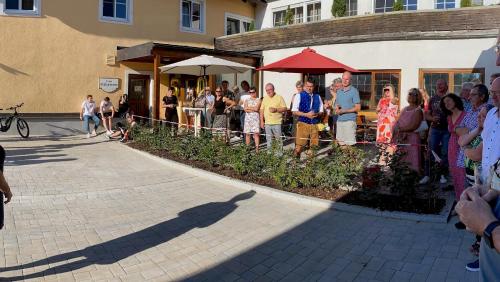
column 283, row 137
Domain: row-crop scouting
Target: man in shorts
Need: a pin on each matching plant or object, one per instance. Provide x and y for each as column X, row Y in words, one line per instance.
column 347, row 106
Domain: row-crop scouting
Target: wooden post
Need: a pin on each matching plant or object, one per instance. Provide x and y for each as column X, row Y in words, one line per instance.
column 157, row 82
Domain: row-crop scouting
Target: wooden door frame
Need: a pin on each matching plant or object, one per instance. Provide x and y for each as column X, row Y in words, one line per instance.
column 148, row 83
column 150, row 86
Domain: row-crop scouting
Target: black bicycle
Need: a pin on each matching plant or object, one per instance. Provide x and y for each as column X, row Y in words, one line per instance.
column 22, row 125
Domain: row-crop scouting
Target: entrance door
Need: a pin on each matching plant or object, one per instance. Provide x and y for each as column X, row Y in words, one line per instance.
column 138, row 94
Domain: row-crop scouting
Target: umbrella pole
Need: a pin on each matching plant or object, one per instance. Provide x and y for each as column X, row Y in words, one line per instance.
column 205, row 82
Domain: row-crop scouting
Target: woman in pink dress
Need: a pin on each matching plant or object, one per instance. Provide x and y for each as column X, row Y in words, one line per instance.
column 404, row 130
column 453, row 107
column 387, row 111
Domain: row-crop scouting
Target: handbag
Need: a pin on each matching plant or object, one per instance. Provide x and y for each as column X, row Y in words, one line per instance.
column 422, row 127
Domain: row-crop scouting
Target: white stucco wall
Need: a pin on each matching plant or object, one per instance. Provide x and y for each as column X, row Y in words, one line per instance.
column 265, row 13
column 408, row 56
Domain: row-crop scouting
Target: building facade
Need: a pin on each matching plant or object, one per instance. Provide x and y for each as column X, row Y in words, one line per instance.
column 55, row 52
column 304, row 11
column 406, row 49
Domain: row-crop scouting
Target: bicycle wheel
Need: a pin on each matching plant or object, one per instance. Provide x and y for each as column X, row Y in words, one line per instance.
column 22, row 128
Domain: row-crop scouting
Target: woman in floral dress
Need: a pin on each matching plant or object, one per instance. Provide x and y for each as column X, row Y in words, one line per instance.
column 453, row 107
column 252, row 119
column 387, row 111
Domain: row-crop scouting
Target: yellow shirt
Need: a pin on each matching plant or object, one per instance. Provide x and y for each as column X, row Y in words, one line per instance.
column 275, row 102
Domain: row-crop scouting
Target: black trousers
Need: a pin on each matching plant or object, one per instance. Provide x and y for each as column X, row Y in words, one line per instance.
column 172, row 119
column 235, row 122
column 2, row 159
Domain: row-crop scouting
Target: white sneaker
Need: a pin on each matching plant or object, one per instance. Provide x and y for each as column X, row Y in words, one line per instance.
column 108, row 133
column 93, row 133
column 443, row 180
column 88, row 135
column 424, row 180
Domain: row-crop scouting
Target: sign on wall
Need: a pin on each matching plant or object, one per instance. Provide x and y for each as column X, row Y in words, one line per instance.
column 109, row 85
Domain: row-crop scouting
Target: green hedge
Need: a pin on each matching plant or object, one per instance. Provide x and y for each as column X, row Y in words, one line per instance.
column 341, row 168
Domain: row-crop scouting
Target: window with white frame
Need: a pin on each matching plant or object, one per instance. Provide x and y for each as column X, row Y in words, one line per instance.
column 314, row 12
column 382, row 6
column 298, row 14
column 237, row 24
column 21, row 6
column 351, row 7
column 410, row 5
column 279, row 18
column 116, row 10
column 477, row 3
column 193, row 15
column 444, row 4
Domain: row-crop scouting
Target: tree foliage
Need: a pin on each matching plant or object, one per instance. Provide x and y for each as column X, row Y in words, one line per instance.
column 398, row 6
column 288, row 16
column 339, row 8
column 465, row 3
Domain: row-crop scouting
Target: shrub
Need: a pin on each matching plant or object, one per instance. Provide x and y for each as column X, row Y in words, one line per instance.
column 398, row 5
column 339, row 8
column 465, row 3
column 329, row 173
column 288, row 16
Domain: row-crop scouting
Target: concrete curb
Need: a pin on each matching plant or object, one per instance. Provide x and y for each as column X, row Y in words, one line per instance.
column 305, row 200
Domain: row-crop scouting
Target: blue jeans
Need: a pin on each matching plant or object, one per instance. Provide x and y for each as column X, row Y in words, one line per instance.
column 438, row 142
column 86, row 120
column 242, row 120
column 273, row 130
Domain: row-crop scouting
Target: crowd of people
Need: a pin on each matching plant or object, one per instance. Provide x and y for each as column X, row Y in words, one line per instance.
column 459, row 133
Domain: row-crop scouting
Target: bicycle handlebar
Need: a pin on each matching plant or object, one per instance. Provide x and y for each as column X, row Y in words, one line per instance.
column 13, row 108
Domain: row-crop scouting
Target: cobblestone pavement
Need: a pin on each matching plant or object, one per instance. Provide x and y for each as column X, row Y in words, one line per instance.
column 86, row 209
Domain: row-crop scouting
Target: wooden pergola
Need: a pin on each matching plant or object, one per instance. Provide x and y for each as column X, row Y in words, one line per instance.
column 159, row 54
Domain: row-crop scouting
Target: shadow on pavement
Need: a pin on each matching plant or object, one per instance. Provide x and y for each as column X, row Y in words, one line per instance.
column 17, row 156
column 123, row 247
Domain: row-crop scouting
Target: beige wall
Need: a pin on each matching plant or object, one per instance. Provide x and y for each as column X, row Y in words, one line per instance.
column 51, row 62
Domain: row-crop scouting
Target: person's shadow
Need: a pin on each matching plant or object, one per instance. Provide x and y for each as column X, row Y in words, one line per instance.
column 120, row 248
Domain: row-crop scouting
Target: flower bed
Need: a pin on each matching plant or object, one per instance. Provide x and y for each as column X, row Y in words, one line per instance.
column 318, row 177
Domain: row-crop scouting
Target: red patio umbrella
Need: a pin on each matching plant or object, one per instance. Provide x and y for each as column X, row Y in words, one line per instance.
column 308, row 62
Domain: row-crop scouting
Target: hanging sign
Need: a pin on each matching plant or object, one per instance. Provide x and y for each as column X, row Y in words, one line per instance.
column 109, row 85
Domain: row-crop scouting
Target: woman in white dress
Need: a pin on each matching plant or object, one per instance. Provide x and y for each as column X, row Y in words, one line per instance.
column 252, row 119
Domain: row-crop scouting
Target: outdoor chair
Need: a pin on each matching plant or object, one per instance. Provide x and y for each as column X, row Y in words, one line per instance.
column 362, row 128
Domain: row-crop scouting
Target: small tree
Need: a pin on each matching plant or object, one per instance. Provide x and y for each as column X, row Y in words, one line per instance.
column 465, row 3
column 339, row 8
column 252, row 26
column 398, row 6
column 288, row 16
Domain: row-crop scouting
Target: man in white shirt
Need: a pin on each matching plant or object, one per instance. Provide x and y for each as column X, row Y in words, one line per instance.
column 87, row 113
column 308, row 107
column 473, row 207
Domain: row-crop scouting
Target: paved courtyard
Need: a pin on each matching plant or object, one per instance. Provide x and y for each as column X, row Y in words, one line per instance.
column 87, row 209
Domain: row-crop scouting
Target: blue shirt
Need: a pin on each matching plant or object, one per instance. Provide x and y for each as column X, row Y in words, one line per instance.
column 347, row 99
